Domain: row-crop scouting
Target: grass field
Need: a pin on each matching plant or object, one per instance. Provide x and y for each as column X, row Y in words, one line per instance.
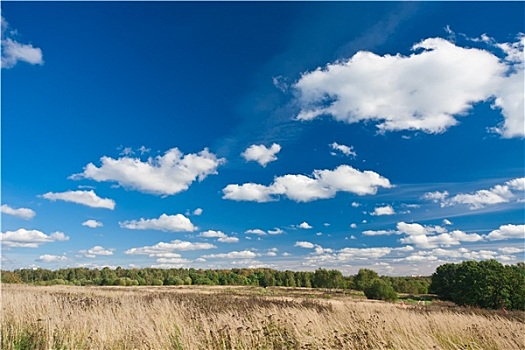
column 61, row 317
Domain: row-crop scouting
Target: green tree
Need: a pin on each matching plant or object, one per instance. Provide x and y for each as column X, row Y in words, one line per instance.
column 363, row 278
column 379, row 289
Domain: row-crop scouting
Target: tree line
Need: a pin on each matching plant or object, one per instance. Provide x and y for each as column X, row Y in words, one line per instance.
column 486, row 284
column 263, row 277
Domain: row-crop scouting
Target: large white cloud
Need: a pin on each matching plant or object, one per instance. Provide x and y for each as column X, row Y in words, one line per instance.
column 88, row 198
column 507, row 232
column 433, row 236
column 424, row 91
column 261, row 154
column 14, row 52
column 24, row 213
column 481, row 198
column 30, row 238
column 300, row 188
column 173, row 223
column 163, row 175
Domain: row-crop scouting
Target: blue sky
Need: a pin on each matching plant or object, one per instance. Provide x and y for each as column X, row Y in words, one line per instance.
column 285, row 135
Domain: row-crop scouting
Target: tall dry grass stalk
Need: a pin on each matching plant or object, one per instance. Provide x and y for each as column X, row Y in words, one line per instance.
column 191, row 318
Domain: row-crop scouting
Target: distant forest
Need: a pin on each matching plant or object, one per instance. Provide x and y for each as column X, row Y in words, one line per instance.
column 486, row 284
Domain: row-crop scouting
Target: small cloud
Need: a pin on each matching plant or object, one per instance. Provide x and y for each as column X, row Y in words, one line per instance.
column 303, row 244
column 30, row 238
column 304, row 225
column 173, row 223
column 346, row 150
column 447, row 222
column 96, row 251
column 197, row 212
column 386, row 210
column 23, row 213
column 47, row 258
column 355, row 204
column 261, row 154
column 88, row 198
column 319, row 234
column 92, row 223
column 14, row 52
column 353, row 225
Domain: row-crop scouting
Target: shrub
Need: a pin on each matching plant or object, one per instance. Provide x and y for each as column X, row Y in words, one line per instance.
column 379, row 289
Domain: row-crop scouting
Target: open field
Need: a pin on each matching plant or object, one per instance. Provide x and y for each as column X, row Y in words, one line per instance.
column 61, row 317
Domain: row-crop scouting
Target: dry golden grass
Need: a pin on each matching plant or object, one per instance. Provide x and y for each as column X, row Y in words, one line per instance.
column 62, row 317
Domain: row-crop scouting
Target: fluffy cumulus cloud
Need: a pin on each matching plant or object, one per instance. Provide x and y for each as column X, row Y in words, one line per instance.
column 386, row 210
column 304, row 225
column 96, row 251
column 14, row 51
column 304, row 244
column 300, row 188
column 346, row 150
column 424, row 91
column 23, row 213
column 261, row 154
column 30, row 238
column 507, row 232
column 88, row 198
column 162, row 248
column 48, row 258
column 433, row 236
column 172, row 223
column 221, row 236
column 92, row 223
column 163, row 175
column 496, row 195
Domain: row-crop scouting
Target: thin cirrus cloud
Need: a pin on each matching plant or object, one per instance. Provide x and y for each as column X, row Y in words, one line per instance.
column 322, row 184
column 30, row 238
column 23, row 213
column 172, row 223
column 88, row 198
column 424, row 91
column 163, row 175
column 496, row 195
column 92, row 223
column 257, row 231
column 261, row 154
column 14, row 51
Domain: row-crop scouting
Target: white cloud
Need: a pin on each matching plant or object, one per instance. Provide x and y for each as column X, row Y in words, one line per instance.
column 30, row 238
column 432, row 237
column 245, row 254
column 163, row 175
column 222, row 237
column 163, row 248
column 386, row 210
column 379, row 232
column 95, row 251
column 303, row 244
column 304, row 225
column 511, row 250
column 88, row 198
column 479, row 199
column 48, row 258
column 300, row 188
column 261, row 154
column 353, row 225
column 423, row 91
column 92, row 223
column 24, row 213
column 256, row 232
column 197, row 212
column 346, row 150
column 173, row 223
column 447, row 222
column 14, row 52
column 507, row 232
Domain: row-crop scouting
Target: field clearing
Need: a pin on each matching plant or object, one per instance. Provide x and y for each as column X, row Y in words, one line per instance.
column 66, row 317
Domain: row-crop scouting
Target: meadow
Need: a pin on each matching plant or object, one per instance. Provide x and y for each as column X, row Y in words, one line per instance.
column 191, row 317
